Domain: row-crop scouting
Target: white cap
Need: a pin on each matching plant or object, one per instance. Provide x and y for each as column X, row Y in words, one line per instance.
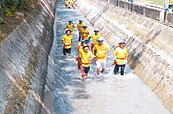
column 86, row 45
column 101, row 39
column 121, row 42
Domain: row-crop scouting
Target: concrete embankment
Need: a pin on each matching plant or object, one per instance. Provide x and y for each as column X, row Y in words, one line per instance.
column 154, row 11
column 149, row 43
column 23, row 61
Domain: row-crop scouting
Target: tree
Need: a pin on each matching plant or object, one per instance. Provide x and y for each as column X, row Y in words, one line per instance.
column 9, row 6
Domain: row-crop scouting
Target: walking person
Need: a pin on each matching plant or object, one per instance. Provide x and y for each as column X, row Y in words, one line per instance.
column 101, row 55
column 120, row 55
column 86, row 57
column 68, row 3
column 67, row 41
column 79, row 48
column 70, row 26
column 94, row 37
column 85, row 33
column 73, row 3
column 80, row 27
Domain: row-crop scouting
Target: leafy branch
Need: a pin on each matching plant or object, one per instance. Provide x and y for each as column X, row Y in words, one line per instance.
column 7, row 7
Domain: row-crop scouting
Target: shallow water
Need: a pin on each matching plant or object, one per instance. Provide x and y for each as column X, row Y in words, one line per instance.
column 107, row 94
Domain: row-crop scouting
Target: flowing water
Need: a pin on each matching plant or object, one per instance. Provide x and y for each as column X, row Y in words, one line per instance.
column 107, row 94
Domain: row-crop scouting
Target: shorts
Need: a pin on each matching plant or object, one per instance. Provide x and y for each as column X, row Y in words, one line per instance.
column 86, row 69
column 101, row 64
column 66, row 51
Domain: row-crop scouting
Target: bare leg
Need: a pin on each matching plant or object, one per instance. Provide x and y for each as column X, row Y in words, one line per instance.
column 78, row 65
column 103, row 69
column 98, row 71
column 86, row 74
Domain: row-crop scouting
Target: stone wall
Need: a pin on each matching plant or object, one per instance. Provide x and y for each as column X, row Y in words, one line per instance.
column 149, row 43
column 23, row 61
column 148, row 11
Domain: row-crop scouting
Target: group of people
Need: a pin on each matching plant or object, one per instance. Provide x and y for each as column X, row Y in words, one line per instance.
column 70, row 3
column 97, row 51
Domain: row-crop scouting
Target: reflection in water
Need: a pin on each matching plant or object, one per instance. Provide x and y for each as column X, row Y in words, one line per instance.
column 80, row 94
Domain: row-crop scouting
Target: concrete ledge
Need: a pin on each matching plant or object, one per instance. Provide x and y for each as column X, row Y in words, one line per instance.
column 23, row 61
column 147, row 11
column 170, row 18
column 149, row 43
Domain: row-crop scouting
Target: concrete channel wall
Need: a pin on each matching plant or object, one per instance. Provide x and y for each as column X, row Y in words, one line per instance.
column 23, row 61
column 149, row 43
column 148, row 11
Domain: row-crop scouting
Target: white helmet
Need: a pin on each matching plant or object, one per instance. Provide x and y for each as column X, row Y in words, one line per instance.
column 121, row 42
column 101, row 39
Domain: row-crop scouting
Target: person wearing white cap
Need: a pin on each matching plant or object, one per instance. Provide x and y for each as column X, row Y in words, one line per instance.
column 67, row 41
column 94, row 37
column 120, row 56
column 67, row 3
column 86, row 57
column 80, row 27
column 85, row 33
column 73, row 2
column 79, row 48
column 101, row 51
column 70, row 26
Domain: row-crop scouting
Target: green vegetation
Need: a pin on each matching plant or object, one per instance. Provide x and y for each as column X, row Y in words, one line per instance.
column 155, row 1
column 7, row 7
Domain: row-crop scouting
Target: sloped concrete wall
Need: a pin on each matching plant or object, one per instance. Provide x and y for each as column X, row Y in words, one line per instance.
column 146, row 10
column 170, row 18
column 23, row 61
column 149, row 43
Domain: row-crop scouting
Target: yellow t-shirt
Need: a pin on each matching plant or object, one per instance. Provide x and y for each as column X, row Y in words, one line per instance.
column 68, row 3
column 85, row 34
column 67, row 40
column 80, row 51
column 73, row 2
column 170, row 2
column 84, row 58
column 80, row 26
column 101, row 51
column 70, row 27
column 120, row 54
column 94, row 38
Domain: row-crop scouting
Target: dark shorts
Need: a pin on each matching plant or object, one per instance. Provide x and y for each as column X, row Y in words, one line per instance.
column 116, row 69
column 66, row 51
column 86, row 69
column 79, row 37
